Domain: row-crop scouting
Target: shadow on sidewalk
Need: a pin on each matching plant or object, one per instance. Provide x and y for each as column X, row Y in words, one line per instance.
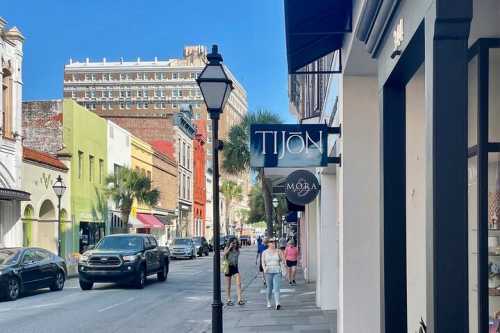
column 298, row 311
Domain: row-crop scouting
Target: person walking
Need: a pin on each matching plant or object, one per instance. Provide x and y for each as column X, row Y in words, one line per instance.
column 261, row 247
column 291, row 257
column 231, row 254
column 271, row 263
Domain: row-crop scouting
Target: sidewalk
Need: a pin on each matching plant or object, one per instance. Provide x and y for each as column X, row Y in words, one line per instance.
column 298, row 313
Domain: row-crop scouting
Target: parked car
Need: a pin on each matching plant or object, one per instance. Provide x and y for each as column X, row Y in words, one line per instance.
column 29, row 268
column 123, row 258
column 201, row 246
column 183, row 248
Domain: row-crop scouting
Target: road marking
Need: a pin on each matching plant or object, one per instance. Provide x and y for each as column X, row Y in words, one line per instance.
column 116, row 304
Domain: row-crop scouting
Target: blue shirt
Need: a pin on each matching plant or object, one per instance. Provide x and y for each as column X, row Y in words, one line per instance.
column 261, row 248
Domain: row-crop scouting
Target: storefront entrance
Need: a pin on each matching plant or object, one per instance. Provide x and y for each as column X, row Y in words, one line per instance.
column 484, row 185
column 90, row 234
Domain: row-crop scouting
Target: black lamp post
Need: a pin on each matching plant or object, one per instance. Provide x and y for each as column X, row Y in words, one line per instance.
column 59, row 189
column 215, row 87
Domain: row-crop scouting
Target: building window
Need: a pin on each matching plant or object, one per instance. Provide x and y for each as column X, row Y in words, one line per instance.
column 189, row 188
column 92, row 93
column 91, row 168
column 101, row 171
column 73, row 94
column 93, row 77
column 80, row 164
column 122, row 105
column 149, row 174
column 7, row 104
column 179, row 151
column 174, row 105
column 184, row 186
column 175, row 76
column 128, row 105
column 87, row 77
column 146, row 105
column 183, row 154
column 163, row 105
column 192, row 75
column 189, row 157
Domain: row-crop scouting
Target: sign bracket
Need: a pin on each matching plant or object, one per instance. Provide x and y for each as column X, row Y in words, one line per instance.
column 336, row 160
column 335, row 130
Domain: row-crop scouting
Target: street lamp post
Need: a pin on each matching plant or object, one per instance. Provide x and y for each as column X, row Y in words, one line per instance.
column 215, row 87
column 176, row 222
column 59, row 189
column 283, row 218
column 275, row 205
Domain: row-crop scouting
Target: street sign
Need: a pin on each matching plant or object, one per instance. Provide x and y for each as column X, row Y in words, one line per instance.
column 288, row 145
column 302, row 187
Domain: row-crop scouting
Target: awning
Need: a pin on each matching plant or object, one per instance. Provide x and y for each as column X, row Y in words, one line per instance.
column 13, row 195
column 149, row 221
column 314, row 28
column 134, row 223
column 164, row 219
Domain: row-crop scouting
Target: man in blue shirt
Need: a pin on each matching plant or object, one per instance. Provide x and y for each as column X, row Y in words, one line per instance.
column 261, row 247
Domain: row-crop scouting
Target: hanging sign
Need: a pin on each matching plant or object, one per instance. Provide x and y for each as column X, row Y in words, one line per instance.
column 288, row 145
column 301, row 187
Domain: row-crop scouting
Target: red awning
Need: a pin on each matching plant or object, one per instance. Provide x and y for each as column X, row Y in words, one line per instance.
column 149, row 221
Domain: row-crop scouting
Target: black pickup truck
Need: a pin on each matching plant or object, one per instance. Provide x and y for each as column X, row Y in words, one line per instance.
column 123, row 258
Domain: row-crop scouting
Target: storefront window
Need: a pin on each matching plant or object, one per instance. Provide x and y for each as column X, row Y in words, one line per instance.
column 494, row 239
column 473, row 250
column 494, row 95
column 472, row 102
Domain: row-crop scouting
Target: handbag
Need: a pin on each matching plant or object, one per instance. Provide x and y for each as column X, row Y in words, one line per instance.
column 225, row 266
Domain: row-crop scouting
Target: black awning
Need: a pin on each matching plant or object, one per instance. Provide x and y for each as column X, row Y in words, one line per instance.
column 8, row 194
column 314, row 28
column 164, row 219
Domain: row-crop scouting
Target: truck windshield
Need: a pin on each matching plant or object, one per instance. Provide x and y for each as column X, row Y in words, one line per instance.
column 120, row 243
column 182, row 241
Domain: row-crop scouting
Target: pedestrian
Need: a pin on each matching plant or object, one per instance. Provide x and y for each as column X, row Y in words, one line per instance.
column 231, row 254
column 272, row 259
column 291, row 257
column 261, row 247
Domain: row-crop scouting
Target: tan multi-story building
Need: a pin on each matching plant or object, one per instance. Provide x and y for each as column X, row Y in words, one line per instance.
column 142, row 96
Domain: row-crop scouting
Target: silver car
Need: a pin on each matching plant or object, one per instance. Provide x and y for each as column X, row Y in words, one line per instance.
column 183, row 248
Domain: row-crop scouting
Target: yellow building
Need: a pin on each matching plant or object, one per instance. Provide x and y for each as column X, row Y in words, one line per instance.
column 142, row 219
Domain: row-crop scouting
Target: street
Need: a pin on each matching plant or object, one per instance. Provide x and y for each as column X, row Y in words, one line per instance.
column 181, row 304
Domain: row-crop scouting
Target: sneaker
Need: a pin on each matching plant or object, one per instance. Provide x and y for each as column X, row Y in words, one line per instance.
column 295, row 283
column 268, row 305
column 290, row 283
column 278, row 306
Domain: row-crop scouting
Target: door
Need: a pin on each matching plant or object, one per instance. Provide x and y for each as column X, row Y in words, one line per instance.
column 30, row 269
column 47, row 266
column 155, row 254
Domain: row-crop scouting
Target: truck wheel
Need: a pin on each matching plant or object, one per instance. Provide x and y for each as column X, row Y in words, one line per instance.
column 162, row 275
column 140, row 280
column 84, row 285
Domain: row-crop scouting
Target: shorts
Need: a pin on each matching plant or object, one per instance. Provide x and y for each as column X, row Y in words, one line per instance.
column 233, row 270
column 290, row 263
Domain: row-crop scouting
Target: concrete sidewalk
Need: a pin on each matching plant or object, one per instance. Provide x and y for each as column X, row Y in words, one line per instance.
column 298, row 311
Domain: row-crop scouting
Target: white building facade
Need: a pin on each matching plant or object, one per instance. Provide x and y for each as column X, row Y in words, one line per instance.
column 11, row 56
column 119, row 156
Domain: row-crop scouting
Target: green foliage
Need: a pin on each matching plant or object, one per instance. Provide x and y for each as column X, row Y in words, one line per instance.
column 257, row 210
column 232, row 191
column 127, row 185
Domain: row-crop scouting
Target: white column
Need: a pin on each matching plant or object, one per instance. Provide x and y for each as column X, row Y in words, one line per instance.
column 359, row 206
column 328, row 246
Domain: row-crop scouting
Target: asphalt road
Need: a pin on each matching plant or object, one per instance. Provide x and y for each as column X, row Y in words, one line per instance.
column 181, row 304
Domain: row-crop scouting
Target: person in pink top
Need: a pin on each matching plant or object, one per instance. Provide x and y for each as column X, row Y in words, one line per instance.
column 291, row 257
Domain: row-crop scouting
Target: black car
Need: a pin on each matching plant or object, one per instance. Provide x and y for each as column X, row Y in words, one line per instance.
column 29, row 268
column 201, row 246
column 123, row 258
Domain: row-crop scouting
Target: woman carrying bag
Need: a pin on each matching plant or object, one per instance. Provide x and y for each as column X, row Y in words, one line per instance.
column 272, row 260
column 230, row 269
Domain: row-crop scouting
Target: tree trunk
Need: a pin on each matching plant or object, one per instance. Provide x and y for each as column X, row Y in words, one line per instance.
column 125, row 213
column 268, row 203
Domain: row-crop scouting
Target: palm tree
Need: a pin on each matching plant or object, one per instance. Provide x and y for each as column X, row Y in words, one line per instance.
column 127, row 185
column 100, row 208
column 232, row 191
column 237, row 156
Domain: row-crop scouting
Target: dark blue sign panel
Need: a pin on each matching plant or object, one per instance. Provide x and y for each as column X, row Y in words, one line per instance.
column 288, row 145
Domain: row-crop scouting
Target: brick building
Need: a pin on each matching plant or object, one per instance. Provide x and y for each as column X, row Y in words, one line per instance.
column 199, row 174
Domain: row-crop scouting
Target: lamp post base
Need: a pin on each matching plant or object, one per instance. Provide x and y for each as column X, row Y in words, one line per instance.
column 217, row 318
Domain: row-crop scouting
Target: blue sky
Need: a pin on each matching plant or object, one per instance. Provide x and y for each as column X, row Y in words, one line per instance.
column 250, row 35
